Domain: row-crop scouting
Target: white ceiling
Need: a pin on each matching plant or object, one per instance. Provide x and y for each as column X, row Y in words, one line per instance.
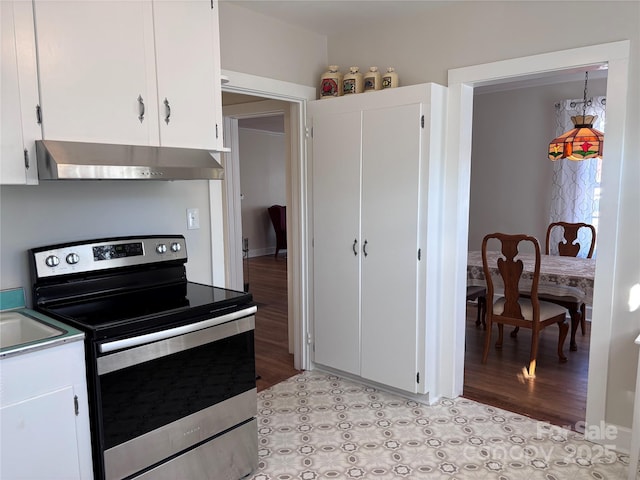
column 270, row 123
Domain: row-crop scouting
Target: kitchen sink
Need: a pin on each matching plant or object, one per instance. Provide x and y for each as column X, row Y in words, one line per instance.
column 17, row 328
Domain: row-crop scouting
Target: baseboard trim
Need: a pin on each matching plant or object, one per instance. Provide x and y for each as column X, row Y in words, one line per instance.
column 417, row 397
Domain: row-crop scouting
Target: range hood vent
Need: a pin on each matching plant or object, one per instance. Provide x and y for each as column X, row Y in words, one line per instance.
column 58, row 160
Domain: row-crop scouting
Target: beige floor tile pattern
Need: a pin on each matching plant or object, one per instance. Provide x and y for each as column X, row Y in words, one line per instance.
column 319, row 426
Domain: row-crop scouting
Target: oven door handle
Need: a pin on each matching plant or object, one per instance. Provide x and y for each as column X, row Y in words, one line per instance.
column 172, row 332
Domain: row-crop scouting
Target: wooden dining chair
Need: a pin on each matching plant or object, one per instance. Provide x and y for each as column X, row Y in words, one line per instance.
column 513, row 308
column 572, row 298
column 569, row 245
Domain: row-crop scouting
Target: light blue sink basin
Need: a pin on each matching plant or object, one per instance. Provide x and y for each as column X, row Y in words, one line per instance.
column 23, row 330
column 16, row 329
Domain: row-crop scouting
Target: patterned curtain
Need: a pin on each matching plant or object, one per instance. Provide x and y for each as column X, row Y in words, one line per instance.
column 576, row 185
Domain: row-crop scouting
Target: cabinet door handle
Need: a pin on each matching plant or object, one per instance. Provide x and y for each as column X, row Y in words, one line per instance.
column 167, row 109
column 140, row 108
column 355, row 242
column 364, row 248
column 26, row 159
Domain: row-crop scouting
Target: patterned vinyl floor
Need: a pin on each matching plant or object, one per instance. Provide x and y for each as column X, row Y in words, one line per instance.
column 320, row 426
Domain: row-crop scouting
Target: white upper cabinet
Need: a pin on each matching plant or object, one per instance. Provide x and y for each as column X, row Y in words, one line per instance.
column 19, row 95
column 107, row 67
column 188, row 70
column 95, row 60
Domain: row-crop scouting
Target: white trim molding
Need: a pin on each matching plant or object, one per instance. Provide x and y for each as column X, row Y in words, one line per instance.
column 456, row 205
column 297, row 192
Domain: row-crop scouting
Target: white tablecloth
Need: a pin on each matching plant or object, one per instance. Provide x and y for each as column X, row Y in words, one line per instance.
column 554, row 271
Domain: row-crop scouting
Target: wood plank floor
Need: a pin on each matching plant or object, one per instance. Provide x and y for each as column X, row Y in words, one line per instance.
column 557, row 394
column 268, row 285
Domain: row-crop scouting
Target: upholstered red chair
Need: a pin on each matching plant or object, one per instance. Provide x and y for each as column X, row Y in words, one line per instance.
column 278, row 215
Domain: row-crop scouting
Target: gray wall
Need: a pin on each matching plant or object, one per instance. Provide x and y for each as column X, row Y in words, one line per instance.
column 260, row 45
column 53, row 212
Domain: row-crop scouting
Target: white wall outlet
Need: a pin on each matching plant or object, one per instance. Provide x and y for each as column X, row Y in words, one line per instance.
column 193, row 218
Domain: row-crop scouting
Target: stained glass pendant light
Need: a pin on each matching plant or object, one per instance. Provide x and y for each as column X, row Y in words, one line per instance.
column 581, row 142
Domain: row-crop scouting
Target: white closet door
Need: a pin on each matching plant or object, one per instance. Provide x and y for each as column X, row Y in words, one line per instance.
column 390, row 183
column 336, row 219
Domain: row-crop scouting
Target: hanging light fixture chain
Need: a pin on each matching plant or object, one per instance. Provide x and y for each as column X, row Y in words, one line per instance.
column 584, row 98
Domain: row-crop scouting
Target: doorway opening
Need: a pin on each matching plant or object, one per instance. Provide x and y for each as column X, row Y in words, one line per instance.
column 257, row 129
column 522, row 204
column 257, row 98
column 456, row 191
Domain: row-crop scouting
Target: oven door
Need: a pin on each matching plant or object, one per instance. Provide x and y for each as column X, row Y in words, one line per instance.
column 170, row 392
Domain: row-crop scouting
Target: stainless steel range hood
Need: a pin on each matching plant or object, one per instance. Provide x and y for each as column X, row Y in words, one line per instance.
column 59, row 160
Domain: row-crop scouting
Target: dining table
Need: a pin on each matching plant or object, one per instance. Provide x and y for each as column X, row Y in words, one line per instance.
column 557, row 273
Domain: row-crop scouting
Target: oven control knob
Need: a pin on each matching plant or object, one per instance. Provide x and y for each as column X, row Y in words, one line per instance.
column 72, row 258
column 175, row 247
column 161, row 248
column 52, row 261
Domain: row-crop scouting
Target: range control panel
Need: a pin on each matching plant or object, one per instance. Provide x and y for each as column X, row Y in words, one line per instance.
column 94, row 255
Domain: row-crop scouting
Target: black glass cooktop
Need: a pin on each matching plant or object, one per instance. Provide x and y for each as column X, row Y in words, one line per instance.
column 148, row 309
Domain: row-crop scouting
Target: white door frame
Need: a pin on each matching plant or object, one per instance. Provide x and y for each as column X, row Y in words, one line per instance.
column 297, row 214
column 456, row 204
column 233, row 222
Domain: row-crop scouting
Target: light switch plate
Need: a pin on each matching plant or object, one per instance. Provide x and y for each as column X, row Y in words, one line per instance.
column 193, row 218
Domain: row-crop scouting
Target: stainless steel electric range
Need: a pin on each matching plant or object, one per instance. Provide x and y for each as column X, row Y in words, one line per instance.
column 170, row 363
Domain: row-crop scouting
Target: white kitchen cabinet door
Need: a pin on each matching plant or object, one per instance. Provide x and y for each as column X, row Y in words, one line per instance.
column 39, row 438
column 336, row 240
column 391, row 153
column 19, row 95
column 44, row 414
column 188, row 70
column 96, row 60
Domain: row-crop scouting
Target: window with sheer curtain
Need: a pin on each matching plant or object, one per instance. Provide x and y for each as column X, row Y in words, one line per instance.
column 576, row 184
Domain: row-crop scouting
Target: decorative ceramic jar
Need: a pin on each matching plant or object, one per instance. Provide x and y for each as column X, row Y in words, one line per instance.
column 331, row 83
column 352, row 81
column 372, row 80
column 390, row 78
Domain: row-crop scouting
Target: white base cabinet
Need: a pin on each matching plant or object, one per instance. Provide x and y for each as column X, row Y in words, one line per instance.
column 137, row 72
column 44, row 418
column 376, row 162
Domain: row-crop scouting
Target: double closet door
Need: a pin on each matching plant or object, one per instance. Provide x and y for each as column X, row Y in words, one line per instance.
column 369, row 218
